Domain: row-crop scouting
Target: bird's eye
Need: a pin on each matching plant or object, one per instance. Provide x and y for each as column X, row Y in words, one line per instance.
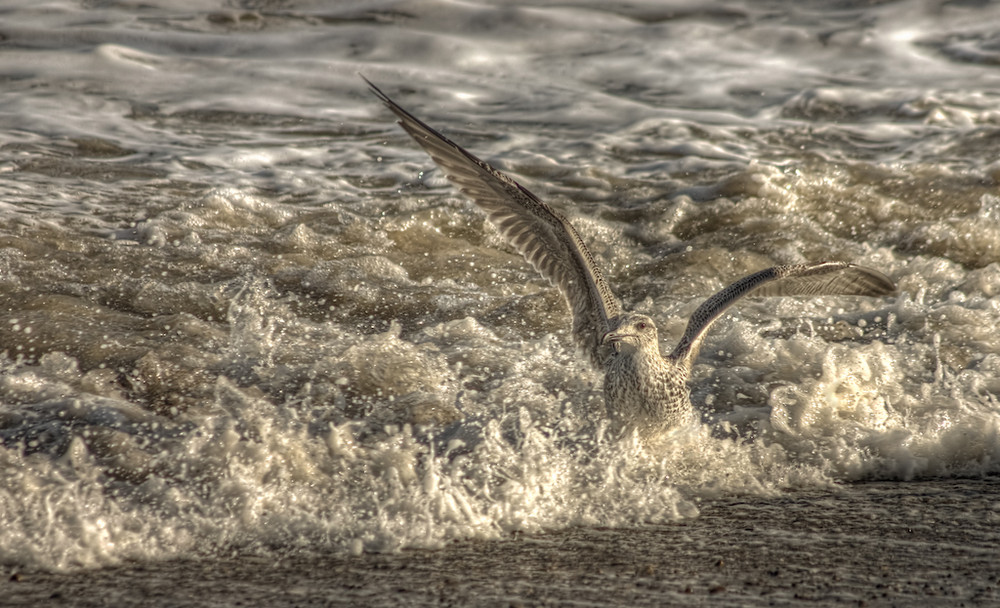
column 642, row 325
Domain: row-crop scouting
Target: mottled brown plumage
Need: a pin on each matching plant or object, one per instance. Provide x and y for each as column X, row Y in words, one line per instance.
column 643, row 390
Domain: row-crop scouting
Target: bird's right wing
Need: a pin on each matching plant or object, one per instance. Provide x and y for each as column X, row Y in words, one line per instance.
column 822, row 279
column 542, row 235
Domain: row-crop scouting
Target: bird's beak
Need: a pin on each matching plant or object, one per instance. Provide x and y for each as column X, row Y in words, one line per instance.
column 615, row 336
column 615, row 339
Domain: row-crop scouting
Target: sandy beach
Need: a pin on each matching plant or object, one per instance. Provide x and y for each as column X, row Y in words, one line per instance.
column 927, row 543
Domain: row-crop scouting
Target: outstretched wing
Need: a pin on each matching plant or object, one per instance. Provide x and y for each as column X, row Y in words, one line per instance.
column 822, row 279
column 543, row 236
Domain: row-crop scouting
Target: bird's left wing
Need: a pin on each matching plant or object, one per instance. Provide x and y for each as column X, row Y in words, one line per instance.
column 821, row 279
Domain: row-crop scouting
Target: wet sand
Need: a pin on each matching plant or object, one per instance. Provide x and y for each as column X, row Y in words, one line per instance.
column 926, row 543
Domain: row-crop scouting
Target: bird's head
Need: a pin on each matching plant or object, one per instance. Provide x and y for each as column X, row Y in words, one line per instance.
column 632, row 331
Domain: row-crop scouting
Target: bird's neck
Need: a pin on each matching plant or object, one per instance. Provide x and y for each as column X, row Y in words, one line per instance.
column 637, row 358
column 650, row 353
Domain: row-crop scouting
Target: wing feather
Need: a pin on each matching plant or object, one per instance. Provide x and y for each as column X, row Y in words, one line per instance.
column 820, row 279
column 542, row 235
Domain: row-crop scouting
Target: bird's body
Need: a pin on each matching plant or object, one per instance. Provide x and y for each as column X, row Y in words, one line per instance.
column 644, row 391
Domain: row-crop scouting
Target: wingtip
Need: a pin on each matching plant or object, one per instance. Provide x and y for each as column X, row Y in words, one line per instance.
column 890, row 288
column 881, row 285
column 375, row 90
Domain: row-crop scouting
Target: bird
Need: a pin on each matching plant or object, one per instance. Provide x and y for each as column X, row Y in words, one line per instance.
column 645, row 392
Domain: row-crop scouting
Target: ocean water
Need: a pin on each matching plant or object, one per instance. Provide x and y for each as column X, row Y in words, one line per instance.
column 242, row 313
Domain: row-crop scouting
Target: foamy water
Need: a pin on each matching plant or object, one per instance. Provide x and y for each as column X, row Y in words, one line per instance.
column 242, row 312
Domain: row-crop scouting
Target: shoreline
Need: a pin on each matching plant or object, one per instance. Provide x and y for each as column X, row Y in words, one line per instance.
column 882, row 543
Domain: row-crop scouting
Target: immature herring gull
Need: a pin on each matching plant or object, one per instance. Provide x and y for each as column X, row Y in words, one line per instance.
column 643, row 390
